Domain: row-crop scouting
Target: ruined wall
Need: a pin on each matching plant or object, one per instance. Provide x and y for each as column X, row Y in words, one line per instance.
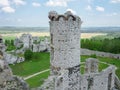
column 98, row 53
column 8, row 81
column 91, row 65
column 65, row 50
column 65, row 59
column 27, row 40
column 11, row 59
column 94, row 80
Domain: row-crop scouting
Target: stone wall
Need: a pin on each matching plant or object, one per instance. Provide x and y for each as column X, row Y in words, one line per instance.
column 33, row 43
column 98, row 53
column 27, row 40
column 11, row 59
column 103, row 80
column 90, row 80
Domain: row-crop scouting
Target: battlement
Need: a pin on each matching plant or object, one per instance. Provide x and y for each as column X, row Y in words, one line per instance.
column 54, row 16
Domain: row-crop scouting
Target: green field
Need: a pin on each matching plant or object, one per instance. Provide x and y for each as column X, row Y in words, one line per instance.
column 42, row 63
column 9, row 37
column 37, row 80
column 33, row 66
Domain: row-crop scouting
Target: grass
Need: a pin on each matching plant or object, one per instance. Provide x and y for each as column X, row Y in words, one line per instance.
column 102, row 66
column 37, row 80
column 112, row 61
column 9, row 37
column 30, row 67
column 115, row 62
column 33, row 66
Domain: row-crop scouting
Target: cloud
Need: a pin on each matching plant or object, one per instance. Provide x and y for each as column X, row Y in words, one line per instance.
column 72, row 11
column 112, row 14
column 35, row 4
column 115, row 1
column 4, row 3
column 101, row 9
column 19, row 2
column 8, row 9
column 89, row 8
column 60, row 3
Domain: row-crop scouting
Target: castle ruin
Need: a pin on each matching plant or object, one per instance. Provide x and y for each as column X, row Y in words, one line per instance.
column 65, row 59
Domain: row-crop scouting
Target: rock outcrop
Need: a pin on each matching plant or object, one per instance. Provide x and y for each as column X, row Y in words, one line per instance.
column 8, row 81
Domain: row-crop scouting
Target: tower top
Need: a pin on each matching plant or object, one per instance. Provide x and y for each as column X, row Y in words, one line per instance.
column 54, row 16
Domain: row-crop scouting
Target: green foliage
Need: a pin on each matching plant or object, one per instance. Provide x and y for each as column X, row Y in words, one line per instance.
column 10, row 48
column 38, row 80
column 102, row 66
column 33, row 66
column 10, row 45
column 8, row 37
column 106, row 45
column 28, row 55
column 12, row 42
column 43, row 62
column 43, row 37
column 93, row 56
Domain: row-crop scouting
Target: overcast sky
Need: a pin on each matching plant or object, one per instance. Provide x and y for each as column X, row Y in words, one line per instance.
column 34, row 13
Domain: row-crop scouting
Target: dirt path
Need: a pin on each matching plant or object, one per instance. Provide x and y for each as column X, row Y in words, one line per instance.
column 36, row 74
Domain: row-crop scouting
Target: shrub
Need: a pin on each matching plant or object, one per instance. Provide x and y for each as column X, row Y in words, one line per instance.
column 93, row 56
column 28, row 54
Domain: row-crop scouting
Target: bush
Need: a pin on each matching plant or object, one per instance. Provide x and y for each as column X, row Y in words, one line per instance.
column 10, row 45
column 93, row 56
column 28, row 55
column 10, row 48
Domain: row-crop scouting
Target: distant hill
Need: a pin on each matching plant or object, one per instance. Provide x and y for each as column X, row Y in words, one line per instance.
column 100, row 29
column 46, row 29
column 25, row 29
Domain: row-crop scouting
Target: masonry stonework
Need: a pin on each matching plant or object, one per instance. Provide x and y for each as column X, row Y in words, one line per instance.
column 65, row 59
column 65, row 46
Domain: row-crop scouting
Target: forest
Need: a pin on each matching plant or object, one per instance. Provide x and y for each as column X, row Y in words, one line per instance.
column 105, row 45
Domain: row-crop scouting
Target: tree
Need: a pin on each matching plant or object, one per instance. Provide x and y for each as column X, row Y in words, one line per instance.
column 28, row 55
column 12, row 42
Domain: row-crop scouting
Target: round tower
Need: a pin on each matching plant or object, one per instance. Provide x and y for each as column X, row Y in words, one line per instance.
column 65, row 46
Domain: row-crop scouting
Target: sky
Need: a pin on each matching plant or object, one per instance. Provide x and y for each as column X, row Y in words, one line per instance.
column 34, row 13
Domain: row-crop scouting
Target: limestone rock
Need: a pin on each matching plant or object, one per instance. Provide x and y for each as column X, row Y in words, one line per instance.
column 8, row 81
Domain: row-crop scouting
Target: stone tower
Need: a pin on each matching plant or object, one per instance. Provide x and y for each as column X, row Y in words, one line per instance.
column 65, row 50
